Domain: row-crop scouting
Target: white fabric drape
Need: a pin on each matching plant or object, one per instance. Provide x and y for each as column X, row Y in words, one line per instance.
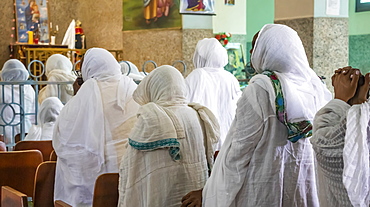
column 58, row 68
column 70, row 35
column 279, row 49
column 47, row 115
column 328, row 141
column 257, row 165
column 91, row 132
column 14, row 70
column 356, row 168
column 127, row 66
column 212, row 86
column 149, row 174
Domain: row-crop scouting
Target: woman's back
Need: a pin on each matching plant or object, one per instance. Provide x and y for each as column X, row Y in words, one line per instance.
column 146, row 170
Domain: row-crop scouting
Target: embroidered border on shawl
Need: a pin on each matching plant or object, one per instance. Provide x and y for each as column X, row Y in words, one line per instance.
column 296, row 130
column 171, row 143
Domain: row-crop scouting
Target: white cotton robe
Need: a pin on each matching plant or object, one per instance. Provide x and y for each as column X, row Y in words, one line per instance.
column 14, row 70
column 212, row 86
column 91, row 132
column 58, row 68
column 46, row 117
column 152, row 177
column 341, row 146
column 258, row 165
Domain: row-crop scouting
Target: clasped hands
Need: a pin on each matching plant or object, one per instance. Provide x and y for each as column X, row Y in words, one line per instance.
column 346, row 85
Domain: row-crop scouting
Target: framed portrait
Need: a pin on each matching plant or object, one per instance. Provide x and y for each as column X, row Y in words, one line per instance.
column 32, row 21
column 197, row 7
column 151, row 14
column 229, row 2
column 236, row 63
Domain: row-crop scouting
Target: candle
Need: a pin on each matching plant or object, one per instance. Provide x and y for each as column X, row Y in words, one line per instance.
column 57, row 28
column 30, row 37
column 51, row 25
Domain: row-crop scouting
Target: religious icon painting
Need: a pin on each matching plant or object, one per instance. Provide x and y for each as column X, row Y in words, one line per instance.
column 230, row 2
column 151, row 14
column 197, row 7
column 236, row 63
column 32, row 22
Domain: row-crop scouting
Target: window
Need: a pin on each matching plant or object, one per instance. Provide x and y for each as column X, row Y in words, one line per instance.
column 362, row 5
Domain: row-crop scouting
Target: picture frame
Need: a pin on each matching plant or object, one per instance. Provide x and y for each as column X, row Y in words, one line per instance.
column 206, row 7
column 230, row 2
column 32, row 21
column 151, row 14
column 236, row 61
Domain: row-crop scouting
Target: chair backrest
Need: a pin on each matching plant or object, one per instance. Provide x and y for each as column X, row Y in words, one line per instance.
column 17, row 137
column 106, row 190
column 45, row 147
column 53, row 156
column 11, row 197
column 18, row 169
column 44, row 185
column 59, row 203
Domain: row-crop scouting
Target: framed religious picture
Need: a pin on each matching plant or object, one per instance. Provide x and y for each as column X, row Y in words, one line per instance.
column 236, row 63
column 229, row 2
column 151, row 14
column 32, row 22
column 197, row 7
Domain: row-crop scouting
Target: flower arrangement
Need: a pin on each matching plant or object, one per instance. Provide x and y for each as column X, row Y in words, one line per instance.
column 223, row 37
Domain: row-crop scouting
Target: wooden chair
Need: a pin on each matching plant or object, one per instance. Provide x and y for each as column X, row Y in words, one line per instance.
column 18, row 169
column 44, row 185
column 45, row 147
column 60, row 203
column 11, row 197
column 105, row 192
column 53, row 156
column 17, row 137
column 43, row 195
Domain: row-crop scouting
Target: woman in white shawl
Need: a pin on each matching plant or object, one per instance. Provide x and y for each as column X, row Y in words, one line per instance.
column 46, row 117
column 91, row 132
column 341, row 142
column 14, row 70
column 212, row 86
column 267, row 158
column 169, row 153
column 58, row 68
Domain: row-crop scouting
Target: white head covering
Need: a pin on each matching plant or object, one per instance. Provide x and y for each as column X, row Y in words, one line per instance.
column 210, row 53
column 165, row 87
column 14, row 70
column 58, row 68
column 278, row 48
column 47, row 115
column 58, row 62
column 100, row 64
column 129, row 68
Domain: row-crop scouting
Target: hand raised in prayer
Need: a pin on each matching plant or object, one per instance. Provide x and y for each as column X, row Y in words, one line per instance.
column 362, row 92
column 345, row 82
column 192, row 199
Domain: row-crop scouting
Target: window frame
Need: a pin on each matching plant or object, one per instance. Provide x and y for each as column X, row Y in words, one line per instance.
column 362, row 7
